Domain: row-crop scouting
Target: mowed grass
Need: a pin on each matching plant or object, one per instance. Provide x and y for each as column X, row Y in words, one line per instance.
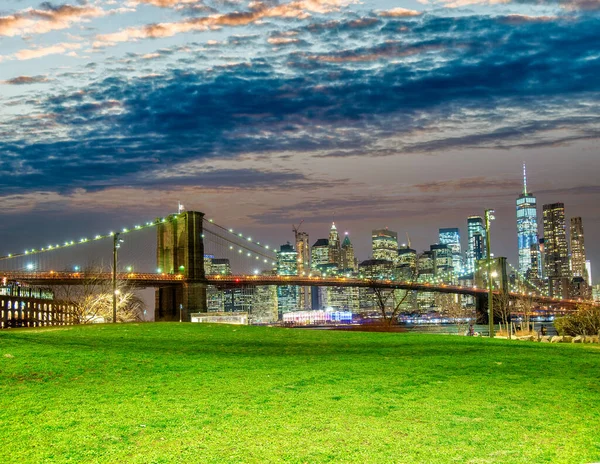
column 170, row 392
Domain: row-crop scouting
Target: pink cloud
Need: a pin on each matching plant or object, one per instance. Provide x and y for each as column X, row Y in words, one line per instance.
column 33, row 21
column 299, row 9
column 399, row 12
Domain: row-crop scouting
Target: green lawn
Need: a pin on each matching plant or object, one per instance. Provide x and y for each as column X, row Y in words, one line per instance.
column 141, row 393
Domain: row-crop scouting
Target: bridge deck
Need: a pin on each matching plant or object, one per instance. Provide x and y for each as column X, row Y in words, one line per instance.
column 165, row 280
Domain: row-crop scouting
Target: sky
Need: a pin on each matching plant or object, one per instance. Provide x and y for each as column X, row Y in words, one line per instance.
column 405, row 114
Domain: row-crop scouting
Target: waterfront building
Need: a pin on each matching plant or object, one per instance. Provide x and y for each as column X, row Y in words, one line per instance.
column 476, row 241
column 385, row 245
column 556, row 255
column 334, row 246
column 527, row 230
column 451, row 237
column 319, row 253
column 339, row 299
column 287, row 264
column 264, row 305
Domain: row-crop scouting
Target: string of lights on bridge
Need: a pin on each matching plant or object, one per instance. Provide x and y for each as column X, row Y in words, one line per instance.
column 241, row 249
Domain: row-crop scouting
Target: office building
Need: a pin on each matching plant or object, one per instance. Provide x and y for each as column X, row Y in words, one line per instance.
column 385, row 245
column 556, row 255
column 348, row 259
column 527, row 231
column 334, row 246
column 476, row 241
column 287, row 265
column 319, row 254
column 303, row 256
column 442, row 261
column 451, row 237
column 578, row 261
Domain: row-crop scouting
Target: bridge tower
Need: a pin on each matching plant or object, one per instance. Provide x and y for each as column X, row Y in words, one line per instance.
column 180, row 250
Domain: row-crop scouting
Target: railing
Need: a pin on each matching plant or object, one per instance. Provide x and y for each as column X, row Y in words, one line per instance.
column 149, row 279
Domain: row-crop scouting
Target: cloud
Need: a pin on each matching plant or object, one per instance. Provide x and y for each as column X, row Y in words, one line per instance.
column 47, row 18
column 23, row 80
column 386, row 50
column 541, row 80
column 398, row 13
column 299, row 9
column 469, row 183
column 57, row 49
column 571, row 5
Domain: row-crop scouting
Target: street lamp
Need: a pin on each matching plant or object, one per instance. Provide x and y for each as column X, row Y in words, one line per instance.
column 489, row 217
column 116, row 245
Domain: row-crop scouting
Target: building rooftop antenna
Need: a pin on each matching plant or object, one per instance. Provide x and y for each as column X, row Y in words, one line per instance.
column 524, row 179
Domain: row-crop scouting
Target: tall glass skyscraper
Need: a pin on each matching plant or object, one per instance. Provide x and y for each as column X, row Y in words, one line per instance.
column 451, row 237
column 527, row 230
column 556, row 254
column 476, row 236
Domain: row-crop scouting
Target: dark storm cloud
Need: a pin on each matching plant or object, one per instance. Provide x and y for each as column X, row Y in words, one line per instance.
column 122, row 126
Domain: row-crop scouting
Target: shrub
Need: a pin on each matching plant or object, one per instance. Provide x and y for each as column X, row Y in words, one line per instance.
column 584, row 321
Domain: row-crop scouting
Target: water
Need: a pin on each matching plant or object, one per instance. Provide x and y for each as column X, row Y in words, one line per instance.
column 454, row 328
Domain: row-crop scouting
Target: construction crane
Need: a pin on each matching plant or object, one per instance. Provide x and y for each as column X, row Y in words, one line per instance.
column 296, row 230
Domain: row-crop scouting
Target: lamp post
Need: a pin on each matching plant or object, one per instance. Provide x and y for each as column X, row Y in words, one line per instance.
column 116, row 246
column 489, row 217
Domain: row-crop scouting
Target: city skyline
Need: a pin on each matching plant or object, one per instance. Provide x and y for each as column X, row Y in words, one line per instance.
column 411, row 115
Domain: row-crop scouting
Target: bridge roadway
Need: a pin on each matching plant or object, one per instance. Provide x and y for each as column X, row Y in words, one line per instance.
column 143, row 280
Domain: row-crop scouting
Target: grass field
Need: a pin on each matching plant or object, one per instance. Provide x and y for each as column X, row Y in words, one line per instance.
column 142, row 393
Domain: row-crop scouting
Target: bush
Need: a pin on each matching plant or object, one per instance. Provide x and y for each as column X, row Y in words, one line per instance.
column 584, row 321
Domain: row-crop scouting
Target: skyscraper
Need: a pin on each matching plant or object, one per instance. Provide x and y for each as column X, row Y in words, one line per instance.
column 556, row 254
column 287, row 264
column 578, row 260
column 334, row 246
column 451, row 237
column 527, row 231
column 303, row 256
column 476, row 245
column 348, row 260
column 303, row 251
column 385, row 245
column 442, row 261
column 319, row 253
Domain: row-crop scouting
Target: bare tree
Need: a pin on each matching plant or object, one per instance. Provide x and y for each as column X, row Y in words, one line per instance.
column 526, row 305
column 453, row 309
column 502, row 309
column 389, row 307
column 92, row 298
column 389, row 301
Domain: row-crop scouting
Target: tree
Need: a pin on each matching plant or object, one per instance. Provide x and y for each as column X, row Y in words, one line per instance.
column 389, row 302
column 502, row 309
column 389, row 309
column 526, row 304
column 453, row 309
column 91, row 299
column 584, row 321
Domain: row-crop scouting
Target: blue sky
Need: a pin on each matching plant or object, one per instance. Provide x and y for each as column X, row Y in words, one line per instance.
column 405, row 114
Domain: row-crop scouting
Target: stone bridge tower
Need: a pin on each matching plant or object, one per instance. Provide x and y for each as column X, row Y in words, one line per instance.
column 180, row 250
